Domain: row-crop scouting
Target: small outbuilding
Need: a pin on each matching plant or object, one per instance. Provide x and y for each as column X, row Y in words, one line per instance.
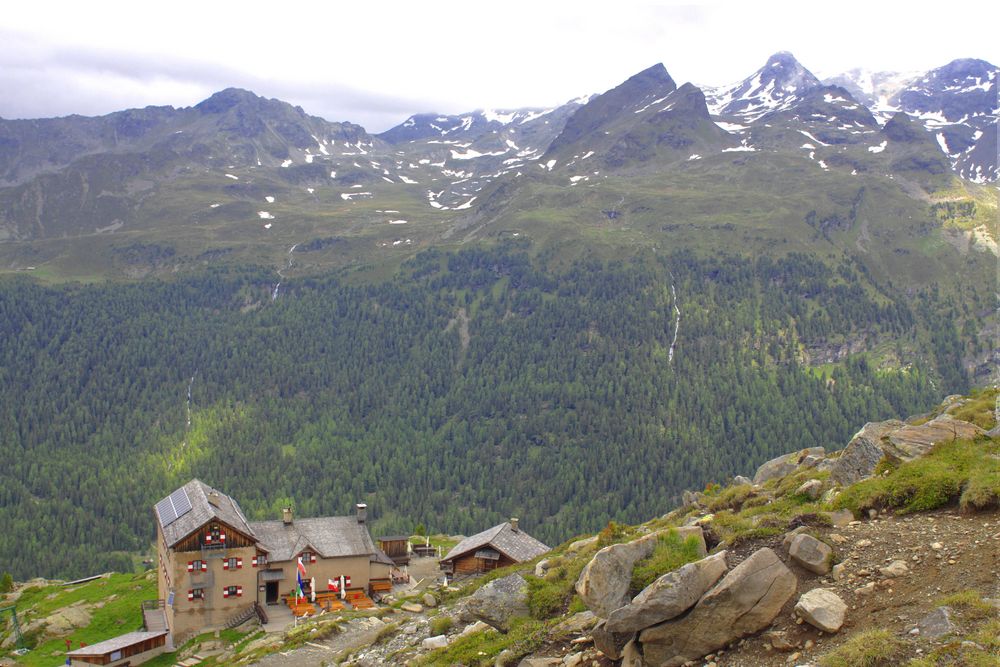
column 497, row 547
column 133, row 648
column 396, row 547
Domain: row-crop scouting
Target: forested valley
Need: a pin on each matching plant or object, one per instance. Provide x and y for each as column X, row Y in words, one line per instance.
column 471, row 387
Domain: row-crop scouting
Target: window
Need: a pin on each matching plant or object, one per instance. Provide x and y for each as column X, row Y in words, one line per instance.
column 196, row 594
column 197, row 566
column 308, row 557
column 232, row 564
column 260, row 560
column 232, row 592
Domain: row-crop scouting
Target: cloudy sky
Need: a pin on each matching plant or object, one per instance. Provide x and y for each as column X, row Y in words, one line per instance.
column 375, row 63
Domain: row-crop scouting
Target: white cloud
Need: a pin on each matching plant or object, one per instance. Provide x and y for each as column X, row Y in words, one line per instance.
column 376, row 63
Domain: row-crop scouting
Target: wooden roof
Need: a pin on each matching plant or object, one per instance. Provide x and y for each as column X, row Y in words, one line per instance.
column 515, row 544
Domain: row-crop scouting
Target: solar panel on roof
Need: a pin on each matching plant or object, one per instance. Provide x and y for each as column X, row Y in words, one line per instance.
column 182, row 504
column 174, row 506
column 165, row 510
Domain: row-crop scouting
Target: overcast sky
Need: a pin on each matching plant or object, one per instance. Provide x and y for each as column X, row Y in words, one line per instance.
column 375, row 63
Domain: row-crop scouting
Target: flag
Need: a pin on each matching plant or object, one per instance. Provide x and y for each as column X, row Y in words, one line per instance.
column 302, row 568
column 332, row 585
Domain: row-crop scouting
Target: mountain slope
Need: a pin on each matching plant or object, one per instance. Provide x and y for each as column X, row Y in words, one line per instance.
column 774, row 87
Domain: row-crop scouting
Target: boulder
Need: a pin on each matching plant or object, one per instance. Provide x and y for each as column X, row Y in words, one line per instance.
column 840, row 518
column 896, row 568
column 810, row 553
column 499, row 601
column 911, row 442
column 669, row 596
column 746, row 600
column 810, row 489
column 631, row 657
column 580, row 545
column 784, row 465
column 541, row 567
column 610, row 644
column 473, row 628
column 577, row 623
column 604, row 582
column 786, row 541
column 411, row 607
column 740, row 480
column 429, row 600
column 937, row 624
column 434, row 642
column 822, row 608
column 863, row 452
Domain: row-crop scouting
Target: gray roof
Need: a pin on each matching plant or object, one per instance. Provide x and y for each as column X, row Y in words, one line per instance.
column 116, row 643
column 329, row 537
column 515, row 544
column 380, row 557
column 202, row 511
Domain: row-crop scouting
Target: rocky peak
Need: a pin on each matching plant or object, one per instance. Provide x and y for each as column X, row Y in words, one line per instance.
column 775, row 86
column 224, row 100
column 900, row 128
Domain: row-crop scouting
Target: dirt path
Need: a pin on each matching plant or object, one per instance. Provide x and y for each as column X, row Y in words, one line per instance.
column 323, row 652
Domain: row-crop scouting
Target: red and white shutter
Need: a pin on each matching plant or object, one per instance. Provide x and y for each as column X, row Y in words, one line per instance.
column 239, row 591
column 222, row 537
column 347, row 582
column 190, row 566
column 312, row 558
column 208, row 538
column 204, row 566
column 225, row 592
column 253, row 562
column 239, row 563
column 190, row 595
column 225, row 564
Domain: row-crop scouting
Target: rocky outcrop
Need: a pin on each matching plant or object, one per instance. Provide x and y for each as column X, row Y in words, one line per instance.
column 745, row 601
column 937, row 624
column 808, row 552
column 604, row 582
column 499, row 601
column 896, row 441
column 863, row 452
column 611, row 644
column 785, row 465
column 910, row 442
column 669, row 596
column 822, row 608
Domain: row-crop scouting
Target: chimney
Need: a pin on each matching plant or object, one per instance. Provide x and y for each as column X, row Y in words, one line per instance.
column 213, row 497
column 286, row 515
column 362, row 512
column 513, row 523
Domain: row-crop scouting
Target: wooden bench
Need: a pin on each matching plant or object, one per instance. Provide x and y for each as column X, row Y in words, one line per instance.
column 359, row 600
column 380, row 585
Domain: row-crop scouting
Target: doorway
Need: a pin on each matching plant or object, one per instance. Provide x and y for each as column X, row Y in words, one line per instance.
column 271, row 592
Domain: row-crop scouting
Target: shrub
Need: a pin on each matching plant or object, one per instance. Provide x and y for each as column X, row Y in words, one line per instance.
column 671, row 552
column 441, row 624
column 871, row 648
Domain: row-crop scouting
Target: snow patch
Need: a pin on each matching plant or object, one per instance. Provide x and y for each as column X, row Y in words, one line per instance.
column 264, row 215
column 730, row 127
column 286, row 163
column 269, row 199
column 408, row 181
column 235, row 178
column 879, row 148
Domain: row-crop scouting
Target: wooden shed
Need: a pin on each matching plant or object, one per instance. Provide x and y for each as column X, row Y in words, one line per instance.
column 133, row 648
column 497, row 547
column 396, row 547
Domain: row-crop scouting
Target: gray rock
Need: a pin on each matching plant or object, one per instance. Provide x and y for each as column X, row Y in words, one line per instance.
column 577, row 623
column 786, row 542
column 810, row 489
column 580, row 545
column 840, row 518
column 429, row 600
column 746, row 600
column 669, row 596
column 684, row 532
column 411, row 607
column 631, row 656
column 863, row 452
column 812, row 461
column 740, row 480
column 937, row 624
column 541, row 567
column 604, row 581
column 822, row 608
column 784, row 465
column 434, row 642
column 610, row 644
column 810, row 553
column 994, row 432
column 896, row 568
column 911, row 442
column 499, row 601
